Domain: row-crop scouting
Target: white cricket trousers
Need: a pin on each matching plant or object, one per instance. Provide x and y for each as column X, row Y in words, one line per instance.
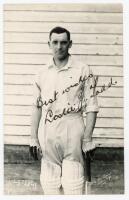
column 62, row 162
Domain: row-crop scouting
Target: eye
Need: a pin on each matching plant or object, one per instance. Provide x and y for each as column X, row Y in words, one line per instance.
column 64, row 42
column 55, row 42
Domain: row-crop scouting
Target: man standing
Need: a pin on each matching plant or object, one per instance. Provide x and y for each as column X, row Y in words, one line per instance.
column 63, row 91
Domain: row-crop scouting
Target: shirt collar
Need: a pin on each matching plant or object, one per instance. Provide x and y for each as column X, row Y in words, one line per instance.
column 66, row 67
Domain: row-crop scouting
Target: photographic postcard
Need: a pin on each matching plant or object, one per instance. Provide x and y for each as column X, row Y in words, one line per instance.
column 52, row 51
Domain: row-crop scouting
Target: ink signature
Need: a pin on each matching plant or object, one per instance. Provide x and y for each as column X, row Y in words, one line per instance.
column 103, row 87
column 50, row 117
column 101, row 181
column 65, row 111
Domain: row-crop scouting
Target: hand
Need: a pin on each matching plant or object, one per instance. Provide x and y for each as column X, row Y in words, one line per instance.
column 35, row 149
column 88, row 148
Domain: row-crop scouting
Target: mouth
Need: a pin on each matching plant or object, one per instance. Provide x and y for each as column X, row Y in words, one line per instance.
column 59, row 52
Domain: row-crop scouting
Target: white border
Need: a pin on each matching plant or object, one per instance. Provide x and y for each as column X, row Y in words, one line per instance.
column 126, row 102
column 1, row 100
column 126, row 94
column 64, row 1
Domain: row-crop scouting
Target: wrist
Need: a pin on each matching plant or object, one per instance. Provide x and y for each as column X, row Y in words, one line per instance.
column 34, row 135
column 34, row 141
column 87, row 139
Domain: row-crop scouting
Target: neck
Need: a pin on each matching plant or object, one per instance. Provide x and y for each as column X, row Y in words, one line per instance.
column 61, row 63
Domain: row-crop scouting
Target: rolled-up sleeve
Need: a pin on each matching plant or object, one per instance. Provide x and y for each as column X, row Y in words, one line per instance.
column 36, row 90
column 89, row 92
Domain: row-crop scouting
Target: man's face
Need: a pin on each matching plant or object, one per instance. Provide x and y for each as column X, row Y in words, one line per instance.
column 60, row 45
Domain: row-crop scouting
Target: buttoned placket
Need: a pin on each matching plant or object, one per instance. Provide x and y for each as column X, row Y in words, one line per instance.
column 61, row 147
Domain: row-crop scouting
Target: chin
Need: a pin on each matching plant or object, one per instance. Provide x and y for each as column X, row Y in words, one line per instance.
column 61, row 57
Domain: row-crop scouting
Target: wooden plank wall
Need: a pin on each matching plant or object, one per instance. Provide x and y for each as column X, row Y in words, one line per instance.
column 97, row 37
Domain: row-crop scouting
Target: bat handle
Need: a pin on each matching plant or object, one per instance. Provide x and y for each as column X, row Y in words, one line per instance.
column 87, row 164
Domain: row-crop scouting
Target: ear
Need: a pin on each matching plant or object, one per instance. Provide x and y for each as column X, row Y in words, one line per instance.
column 70, row 43
column 49, row 44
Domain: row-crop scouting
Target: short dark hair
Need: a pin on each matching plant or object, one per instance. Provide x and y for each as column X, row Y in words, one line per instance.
column 59, row 30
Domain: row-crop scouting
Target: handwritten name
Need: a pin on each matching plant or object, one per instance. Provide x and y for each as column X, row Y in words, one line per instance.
column 103, row 87
column 50, row 117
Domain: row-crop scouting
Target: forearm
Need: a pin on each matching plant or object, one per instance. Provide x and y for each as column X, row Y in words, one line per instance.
column 90, row 124
column 35, row 119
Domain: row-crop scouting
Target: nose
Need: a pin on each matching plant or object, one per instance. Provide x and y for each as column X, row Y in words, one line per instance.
column 59, row 45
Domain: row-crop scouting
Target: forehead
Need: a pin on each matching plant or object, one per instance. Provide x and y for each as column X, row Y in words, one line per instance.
column 59, row 36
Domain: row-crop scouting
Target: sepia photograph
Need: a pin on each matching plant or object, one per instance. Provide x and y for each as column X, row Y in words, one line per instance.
column 63, row 99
